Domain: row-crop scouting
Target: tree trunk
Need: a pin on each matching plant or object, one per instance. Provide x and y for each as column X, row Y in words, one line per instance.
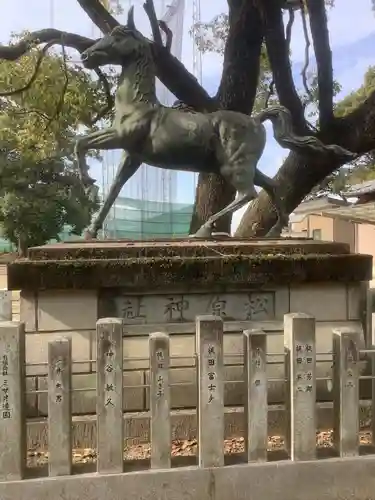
column 211, row 195
column 294, row 180
column 299, row 175
column 22, row 247
column 236, row 92
column 278, row 50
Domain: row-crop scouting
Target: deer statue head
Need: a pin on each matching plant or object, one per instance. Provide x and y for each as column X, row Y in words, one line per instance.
column 121, row 46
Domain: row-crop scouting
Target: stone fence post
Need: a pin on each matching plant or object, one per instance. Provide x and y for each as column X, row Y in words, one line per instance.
column 346, row 392
column 160, row 401
column 12, row 401
column 60, row 407
column 109, row 367
column 256, row 405
column 209, row 342
column 300, row 373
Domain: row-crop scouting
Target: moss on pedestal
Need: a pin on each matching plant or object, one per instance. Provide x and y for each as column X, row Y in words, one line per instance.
column 183, row 248
column 216, row 268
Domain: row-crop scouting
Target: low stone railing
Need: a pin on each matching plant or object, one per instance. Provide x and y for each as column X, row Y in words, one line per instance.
column 300, row 382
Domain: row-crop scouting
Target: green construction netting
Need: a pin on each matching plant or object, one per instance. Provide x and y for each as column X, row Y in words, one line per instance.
column 5, row 246
column 138, row 219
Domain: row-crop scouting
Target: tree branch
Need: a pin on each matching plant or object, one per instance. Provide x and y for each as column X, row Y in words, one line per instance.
column 298, row 175
column 170, row 70
column 307, row 53
column 110, row 99
column 239, row 80
column 99, row 15
column 61, row 100
column 288, row 37
column 168, row 34
column 173, row 74
column 278, row 53
column 35, row 73
column 151, row 14
column 295, row 179
column 357, row 129
column 14, row 52
column 64, row 39
column 320, row 36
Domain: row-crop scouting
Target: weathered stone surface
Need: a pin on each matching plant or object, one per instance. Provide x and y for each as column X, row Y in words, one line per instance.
column 182, row 308
column 66, row 310
column 181, row 247
column 333, row 478
column 209, row 343
column 176, row 310
column 354, row 301
column 182, row 368
column 109, row 407
column 5, row 305
column 184, row 425
column 84, row 397
column 172, row 269
column 37, row 350
column 300, row 373
column 324, row 303
column 12, row 403
column 346, row 392
column 160, row 401
column 136, row 352
column 60, row 407
column 28, row 310
column 185, row 395
column 31, row 398
column 256, row 405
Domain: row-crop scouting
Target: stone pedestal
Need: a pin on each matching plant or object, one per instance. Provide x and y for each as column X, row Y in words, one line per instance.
column 164, row 285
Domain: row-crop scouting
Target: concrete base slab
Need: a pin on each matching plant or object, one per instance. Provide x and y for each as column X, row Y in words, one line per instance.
column 350, row 478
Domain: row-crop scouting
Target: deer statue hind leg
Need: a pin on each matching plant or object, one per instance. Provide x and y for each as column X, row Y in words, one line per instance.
column 240, row 175
column 237, row 150
column 245, row 196
column 270, row 188
column 241, row 147
column 205, row 231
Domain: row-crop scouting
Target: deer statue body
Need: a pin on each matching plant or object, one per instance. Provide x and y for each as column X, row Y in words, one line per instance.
column 222, row 142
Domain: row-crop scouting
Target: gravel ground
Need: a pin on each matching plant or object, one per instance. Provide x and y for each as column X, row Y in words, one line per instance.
column 38, row 458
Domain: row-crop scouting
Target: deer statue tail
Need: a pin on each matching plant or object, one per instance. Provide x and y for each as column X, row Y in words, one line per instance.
column 281, row 120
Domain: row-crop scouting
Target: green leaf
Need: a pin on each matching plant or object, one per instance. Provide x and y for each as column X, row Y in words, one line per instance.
column 40, row 193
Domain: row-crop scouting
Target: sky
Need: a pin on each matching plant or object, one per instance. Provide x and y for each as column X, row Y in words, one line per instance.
column 352, row 35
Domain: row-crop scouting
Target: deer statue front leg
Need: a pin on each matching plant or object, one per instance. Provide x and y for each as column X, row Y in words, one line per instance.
column 107, row 139
column 126, row 169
